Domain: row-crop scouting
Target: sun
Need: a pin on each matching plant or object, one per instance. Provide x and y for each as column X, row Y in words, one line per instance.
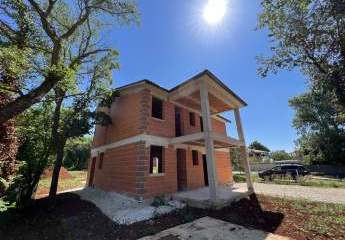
column 214, row 11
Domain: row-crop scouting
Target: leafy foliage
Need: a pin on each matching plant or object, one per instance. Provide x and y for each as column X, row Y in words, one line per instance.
column 60, row 41
column 8, row 149
column 14, row 68
column 66, row 56
column 322, row 138
column 77, row 153
column 310, row 35
column 258, row 146
column 280, row 155
column 235, row 156
column 34, row 153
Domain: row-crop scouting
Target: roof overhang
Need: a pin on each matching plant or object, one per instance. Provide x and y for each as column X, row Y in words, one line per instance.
column 187, row 94
column 221, row 98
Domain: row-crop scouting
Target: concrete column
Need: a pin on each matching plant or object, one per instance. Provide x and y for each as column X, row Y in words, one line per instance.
column 243, row 150
column 209, row 143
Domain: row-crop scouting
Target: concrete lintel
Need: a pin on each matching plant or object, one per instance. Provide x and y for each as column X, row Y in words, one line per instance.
column 187, row 138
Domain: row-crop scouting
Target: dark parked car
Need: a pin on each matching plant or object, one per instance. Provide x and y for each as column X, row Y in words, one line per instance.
column 293, row 170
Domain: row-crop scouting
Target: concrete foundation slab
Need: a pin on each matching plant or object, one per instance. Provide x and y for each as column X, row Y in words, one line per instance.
column 207, row 228
column 200, row 197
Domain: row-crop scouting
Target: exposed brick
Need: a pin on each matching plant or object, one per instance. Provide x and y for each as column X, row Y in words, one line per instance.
column 126, row 168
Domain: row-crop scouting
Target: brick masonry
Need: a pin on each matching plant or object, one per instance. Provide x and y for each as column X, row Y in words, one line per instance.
column 126, row 168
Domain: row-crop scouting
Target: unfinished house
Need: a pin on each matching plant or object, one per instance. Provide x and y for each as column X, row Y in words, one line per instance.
column 167, row 141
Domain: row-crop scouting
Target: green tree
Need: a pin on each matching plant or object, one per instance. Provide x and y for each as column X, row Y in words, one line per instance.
column 60, row 39
column 258, row 146
column 309, row 35
column 34, row 152
column 77, row 153
column 235, row 156
column 14, row 67
column 280, row 155
column 69, row 58
column 322, row 136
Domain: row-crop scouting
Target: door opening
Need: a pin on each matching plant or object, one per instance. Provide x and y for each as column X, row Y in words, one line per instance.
column 92, row 171
column 201, row 124
column 181, row 169
column 205, row 169
column 178, row 127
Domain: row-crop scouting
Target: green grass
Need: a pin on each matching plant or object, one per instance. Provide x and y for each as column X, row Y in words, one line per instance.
column 241, row 177
column 323, row 183
column 321, row 216
column 4, row 205
column 77, row 180
column 311, row 182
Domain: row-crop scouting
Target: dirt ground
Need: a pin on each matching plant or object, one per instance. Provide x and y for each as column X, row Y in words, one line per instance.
column 73, row 218
column 67, row 180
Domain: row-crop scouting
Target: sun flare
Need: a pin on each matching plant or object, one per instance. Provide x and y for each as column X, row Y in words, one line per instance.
column 214, row 11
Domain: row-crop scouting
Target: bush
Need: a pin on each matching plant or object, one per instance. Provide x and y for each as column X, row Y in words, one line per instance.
column 24, row 184
column 77, row 153
column 4, row 205
column 239, row 178
column 34, row 133
column 3, row 186
column 158, row 201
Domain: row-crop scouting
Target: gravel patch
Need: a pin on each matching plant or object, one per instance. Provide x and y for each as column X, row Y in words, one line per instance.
column 125, row 210
column 328, row 195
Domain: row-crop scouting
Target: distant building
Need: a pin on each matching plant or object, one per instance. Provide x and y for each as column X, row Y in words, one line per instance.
column 258, row 155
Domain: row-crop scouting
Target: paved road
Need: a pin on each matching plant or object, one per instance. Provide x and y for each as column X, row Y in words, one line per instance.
column 330, row 195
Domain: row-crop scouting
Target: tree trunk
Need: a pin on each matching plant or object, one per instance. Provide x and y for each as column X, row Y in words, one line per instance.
column 8, row 138
column 59, row 143
column 56, row 170
column 8, row 149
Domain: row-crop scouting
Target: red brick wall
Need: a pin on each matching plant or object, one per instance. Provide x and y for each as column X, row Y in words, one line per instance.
column 126, row 168
column 99, row 136
column 131, row 115
column 195, row 173
column 187, row 128
column 165, row 127
column 158, row 185
column 118, row 170
column 218, row 126
column 224, row 168
column 126, row 117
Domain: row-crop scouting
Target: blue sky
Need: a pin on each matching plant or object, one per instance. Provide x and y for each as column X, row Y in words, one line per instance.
column 173, row 42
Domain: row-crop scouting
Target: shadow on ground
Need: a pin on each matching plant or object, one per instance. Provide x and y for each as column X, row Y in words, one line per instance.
column 249, row 213
column 73, row 218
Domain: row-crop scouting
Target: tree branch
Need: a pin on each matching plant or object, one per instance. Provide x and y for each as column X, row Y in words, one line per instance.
column 45, row 23
column 78, row 59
